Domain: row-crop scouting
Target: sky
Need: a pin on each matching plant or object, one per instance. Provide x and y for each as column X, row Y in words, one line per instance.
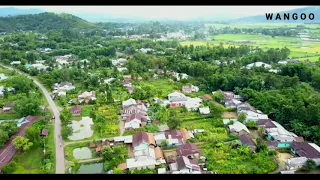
column 172, row 12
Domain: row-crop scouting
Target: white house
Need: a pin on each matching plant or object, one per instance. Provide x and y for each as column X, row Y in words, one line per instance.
column 65, row 86
column 15, row 63
column 258, row 64
column 87, row 96
column 109, row 81
column 39, row 66
column 177, row 99
column 296, row 163
column 204, row 110
column 129, row 102
column 182, row 75
column 3, row 77
column 237, row 127
column 62, row 94
column 193, row 104
column 122, row 69
column 253, row 116
column 120, row 62
column 190, row 89
column 283, row 62
column 134, row 121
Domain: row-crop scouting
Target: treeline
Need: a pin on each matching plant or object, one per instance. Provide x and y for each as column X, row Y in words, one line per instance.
column 281, row 31
column 42, row 22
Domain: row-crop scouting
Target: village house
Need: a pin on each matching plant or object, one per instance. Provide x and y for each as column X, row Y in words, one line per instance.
column 180, row 76
column 109, row 81
column 247, row 141
column 144, row 153
column 193, row 104
column 135, row 121
column 184, row 165
column 177, row 99
column 134, row 109
column 238, row 128
column 40, row 67
column 296, row 163
column 279, row 134
column 190, row 89
column 76, row 110
column 3, row 77
column 8, row 107
column 204, row 110
column 65, row 86
column 307, row 150
column 188, row 150
column 120, row 62
column 258, row 64
column 173, row 137
column 128, row 102
column 45, row 132
column 40, row 61
column 122, row 69
column 87, row 96
column 62, row 94
column 15, row 63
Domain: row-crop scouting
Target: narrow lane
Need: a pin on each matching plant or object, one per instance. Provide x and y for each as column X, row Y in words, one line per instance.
column 60, row 162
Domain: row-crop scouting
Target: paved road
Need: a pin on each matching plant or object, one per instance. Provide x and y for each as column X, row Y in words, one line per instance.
column 60, row 163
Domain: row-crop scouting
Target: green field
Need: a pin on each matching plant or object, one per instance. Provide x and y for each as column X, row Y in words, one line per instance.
column 262, row 25
column 299, row 49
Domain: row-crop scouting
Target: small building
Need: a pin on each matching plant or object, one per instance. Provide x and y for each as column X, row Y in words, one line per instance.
column 247, row 141
column 296, row 163
column 76, row 110
column 190, row 89
column 8, row 107
column 237, row 127
column 188, row 150
column 204, row 110
column 128, row 102
column 45, row 132
column 135, row 121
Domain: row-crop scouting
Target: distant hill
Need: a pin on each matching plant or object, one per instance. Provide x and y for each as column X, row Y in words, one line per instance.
column 262, row 18
column 11, row 11
column 43, row 22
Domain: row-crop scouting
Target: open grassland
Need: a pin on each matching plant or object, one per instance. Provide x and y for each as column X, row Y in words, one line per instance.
column 299, row 49
column 264, row 25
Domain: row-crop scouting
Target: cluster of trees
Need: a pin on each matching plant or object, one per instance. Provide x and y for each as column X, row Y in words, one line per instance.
column 7, row 129
column 106, row 121
column 281, row 31
column 112, row 157
column 65, row 117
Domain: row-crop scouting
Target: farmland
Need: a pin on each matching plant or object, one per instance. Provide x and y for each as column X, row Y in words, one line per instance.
column 299, row 49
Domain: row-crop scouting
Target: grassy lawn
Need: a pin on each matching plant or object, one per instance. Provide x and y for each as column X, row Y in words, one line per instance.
column 6, row 116
column 29, row 162
column 165, row 86
column 312, row 59
column 214, row 130
column 187, row 115
column 86, row 110
column 226, row 160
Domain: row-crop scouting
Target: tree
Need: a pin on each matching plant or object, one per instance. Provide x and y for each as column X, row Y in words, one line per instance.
column 4, row 137
column 117, row 171
column 242, row 117
column 33, row 134
column 261, row 146
column 109, row 97
column 22, row 143
column 218, row 97
column 174, row 122
column 216, row 110
column 65, row 116
column 28, row 106
column 5, row 93
column 252, row 125
column 310, row 165
column 164, row 144
column 22, row 84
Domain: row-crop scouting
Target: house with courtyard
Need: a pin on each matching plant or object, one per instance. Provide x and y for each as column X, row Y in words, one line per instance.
column 246, row 140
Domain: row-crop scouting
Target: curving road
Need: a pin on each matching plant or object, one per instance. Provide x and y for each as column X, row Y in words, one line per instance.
column 60, row 162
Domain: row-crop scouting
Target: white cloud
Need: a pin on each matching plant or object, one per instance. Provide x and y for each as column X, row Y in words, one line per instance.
column 174, row 12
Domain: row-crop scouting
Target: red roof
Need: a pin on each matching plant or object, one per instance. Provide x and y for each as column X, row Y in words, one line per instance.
column 187, row 150
column 267, row 123
column 246, row 140
column 140, row 138
column 136, row 116
column 304, row 149
column 76, row 110
column 45, row 132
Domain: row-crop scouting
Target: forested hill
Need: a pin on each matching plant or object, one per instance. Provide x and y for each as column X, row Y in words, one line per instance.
column 42, row 22
column 262, row 18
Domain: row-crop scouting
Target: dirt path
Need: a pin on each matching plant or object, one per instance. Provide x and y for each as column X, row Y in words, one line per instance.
column 89, row 140
column 282, row 159
column 121, row 126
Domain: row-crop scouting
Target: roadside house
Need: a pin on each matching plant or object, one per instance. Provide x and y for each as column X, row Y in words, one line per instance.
column 8, row 107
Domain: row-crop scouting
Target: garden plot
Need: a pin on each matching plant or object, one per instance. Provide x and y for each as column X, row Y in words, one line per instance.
column 82, row 153
column 81, row 129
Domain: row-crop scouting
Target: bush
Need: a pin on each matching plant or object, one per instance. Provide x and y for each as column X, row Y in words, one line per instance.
column 9, row 168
